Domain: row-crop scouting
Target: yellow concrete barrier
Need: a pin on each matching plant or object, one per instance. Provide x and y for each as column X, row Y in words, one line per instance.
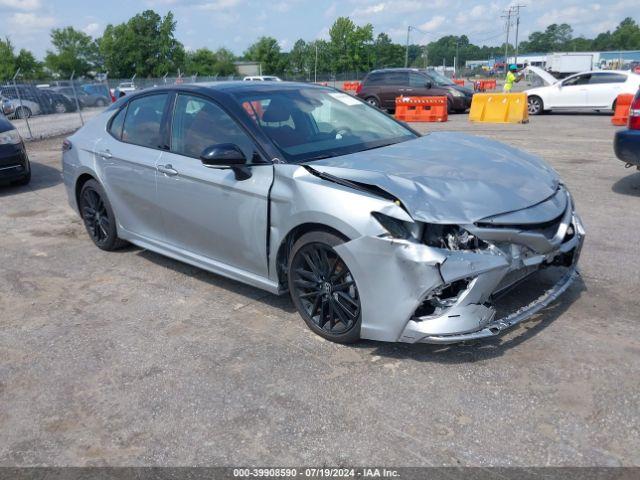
column 499, row 108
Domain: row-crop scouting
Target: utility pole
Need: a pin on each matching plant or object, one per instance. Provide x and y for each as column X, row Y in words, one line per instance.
column 507, row 15
column 406, row 52
column 517, row 8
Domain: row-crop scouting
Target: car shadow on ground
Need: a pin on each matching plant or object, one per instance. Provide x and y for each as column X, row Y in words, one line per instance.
column 457, row 353
column 42, row 176
column 629, row 185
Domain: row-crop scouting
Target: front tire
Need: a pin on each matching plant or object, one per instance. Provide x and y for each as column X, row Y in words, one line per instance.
column 323, row 289
column 60, row 107
column 535, row 105
column 24, row 180
column 98, row 217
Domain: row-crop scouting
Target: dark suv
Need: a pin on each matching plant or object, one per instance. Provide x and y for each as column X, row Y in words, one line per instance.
column 381, row 87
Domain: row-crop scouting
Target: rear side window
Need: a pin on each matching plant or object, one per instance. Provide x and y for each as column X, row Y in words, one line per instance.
column 396, row 78
column 143, row 120
column 115, row 129
column 598, row 78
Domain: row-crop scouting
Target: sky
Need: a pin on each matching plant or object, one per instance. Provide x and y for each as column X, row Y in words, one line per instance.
column 235, row 24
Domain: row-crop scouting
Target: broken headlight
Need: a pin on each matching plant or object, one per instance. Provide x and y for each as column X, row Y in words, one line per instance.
column 452, row 237
column 395, row 227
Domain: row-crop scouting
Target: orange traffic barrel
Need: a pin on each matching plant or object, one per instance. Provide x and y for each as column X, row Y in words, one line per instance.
column 623, row 105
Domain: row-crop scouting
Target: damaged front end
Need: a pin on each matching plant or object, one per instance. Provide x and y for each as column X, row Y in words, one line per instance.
column 436, row 283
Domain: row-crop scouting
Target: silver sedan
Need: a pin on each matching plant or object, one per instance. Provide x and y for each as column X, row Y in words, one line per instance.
column 374, row 230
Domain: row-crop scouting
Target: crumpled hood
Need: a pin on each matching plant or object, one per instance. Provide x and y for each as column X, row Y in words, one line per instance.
column 450, row 178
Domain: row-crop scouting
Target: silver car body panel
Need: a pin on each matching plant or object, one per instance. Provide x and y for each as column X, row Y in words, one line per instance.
column 239, row 229
column 448, row 177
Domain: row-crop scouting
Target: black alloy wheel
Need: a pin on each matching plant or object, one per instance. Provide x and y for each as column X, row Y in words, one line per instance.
column 98, row 216
column 323, row 288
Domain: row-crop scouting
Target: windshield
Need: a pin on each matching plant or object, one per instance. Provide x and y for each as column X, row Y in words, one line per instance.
column 312, row 123
column 439, row 78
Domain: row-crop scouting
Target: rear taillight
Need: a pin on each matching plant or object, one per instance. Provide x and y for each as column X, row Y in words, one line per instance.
column 358, row 88
column 634, row 113
column 66, row 145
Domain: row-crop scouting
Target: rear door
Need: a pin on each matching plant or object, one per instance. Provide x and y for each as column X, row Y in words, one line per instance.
column 127, row 160
column 207, row 211
column 604, row 88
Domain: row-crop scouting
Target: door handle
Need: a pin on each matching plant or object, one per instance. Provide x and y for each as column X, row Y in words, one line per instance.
column 105, row 154
column 167, row 170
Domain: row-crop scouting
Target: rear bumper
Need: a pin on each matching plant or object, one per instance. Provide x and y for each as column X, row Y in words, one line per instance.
column 14, row 163
column 626, row 144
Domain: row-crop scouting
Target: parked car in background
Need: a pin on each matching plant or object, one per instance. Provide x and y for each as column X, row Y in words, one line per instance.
column 124, row 88
column 6, row 107
column 381, row 87
column 85, row 99
column 262, row 78
column 14, row 162
column 99, row 89
column 374, row 230
column 626, row 143
column 47, row 100
column 23, row 108
column 595, row 90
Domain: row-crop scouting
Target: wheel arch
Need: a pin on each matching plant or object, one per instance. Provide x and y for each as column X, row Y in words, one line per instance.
column 80, row 181
column 287, row 242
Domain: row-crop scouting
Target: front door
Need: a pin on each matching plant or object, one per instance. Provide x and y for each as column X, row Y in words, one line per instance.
column 207, row 211
column 571, row 93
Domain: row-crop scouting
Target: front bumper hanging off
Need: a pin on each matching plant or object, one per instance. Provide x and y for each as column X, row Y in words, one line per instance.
column 395, row 277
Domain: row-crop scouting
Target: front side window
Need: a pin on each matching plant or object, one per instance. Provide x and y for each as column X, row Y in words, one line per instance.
column 577, row 80
column 417, row 80
column 311, row 123
column 199, row 123
column 143, row 121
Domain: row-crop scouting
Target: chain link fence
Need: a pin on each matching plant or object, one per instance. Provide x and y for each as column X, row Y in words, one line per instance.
column 41, row 109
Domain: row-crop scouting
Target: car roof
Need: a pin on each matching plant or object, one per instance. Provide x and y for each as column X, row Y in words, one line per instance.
column 384, row 70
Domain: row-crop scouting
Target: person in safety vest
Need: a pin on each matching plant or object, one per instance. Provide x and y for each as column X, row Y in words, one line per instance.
column 510, row 79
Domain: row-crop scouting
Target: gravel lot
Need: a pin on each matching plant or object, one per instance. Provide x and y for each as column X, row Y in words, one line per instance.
column 130, row 358
column 47, row 126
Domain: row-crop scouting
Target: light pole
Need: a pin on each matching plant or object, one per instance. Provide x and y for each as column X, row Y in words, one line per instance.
column 315, row 68
column 406, row 52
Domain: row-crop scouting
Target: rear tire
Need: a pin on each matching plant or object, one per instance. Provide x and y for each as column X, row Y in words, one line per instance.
column 98, row 217
column 323, row 289
column 373, row 101
column 23, row 112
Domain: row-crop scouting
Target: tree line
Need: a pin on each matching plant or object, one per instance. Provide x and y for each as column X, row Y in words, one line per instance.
column 146, row 46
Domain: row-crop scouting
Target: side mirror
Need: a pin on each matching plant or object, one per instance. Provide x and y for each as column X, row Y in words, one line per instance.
column 226, row 155
column 428, row 84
